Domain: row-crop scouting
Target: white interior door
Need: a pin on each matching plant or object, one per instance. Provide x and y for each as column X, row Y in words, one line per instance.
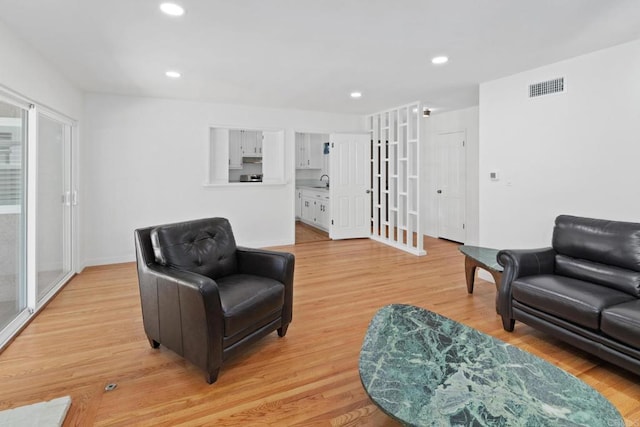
column 350, row 165
column 451, row 185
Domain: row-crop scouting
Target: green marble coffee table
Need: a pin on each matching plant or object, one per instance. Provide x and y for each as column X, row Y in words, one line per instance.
column 423, row 369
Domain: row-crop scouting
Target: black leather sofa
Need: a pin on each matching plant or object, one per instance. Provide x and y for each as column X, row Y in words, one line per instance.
column 585, row 289
column 206, row 298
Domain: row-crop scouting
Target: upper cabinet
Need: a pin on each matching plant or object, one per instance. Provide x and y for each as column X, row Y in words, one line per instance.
column 251, row 143
column 310, row 150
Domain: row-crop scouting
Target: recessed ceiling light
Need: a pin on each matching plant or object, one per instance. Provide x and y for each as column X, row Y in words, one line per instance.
column 172, row 9
column 439, row 60
column 356, row 94
column 173, row 74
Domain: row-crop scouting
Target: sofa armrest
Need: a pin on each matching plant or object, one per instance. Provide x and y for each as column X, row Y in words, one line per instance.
column 274, row 265
column 527, row 262
column 520, row 263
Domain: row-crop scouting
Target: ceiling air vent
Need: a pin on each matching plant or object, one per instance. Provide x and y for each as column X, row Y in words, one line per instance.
column 546, row 88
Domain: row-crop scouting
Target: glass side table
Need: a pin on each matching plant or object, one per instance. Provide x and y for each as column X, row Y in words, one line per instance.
column 485, row 258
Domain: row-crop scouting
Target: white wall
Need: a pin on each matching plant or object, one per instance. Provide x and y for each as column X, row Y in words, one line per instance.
column 573, row 153
column 465, row 120
column 145, row 164
column 27, row 73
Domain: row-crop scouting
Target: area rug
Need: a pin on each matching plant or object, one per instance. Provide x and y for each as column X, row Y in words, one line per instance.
column 41, row 414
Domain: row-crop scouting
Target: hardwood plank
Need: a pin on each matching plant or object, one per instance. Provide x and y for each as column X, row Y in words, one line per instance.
column 306, row 233
column 91, row 335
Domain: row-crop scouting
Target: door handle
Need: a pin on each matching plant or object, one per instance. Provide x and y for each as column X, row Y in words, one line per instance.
column 368, row 191
column 439, row 191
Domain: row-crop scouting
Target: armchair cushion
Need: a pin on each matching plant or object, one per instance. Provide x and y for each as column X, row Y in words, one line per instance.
column 248, row 300
column 570, row 299
column 204, row 246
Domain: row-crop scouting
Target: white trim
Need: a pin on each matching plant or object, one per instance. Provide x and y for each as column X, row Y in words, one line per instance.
column 11, row 97
column 54, row 289
column 14, row 326
column 32, row 195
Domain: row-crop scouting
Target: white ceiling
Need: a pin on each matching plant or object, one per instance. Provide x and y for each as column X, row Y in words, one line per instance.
column 310, row 55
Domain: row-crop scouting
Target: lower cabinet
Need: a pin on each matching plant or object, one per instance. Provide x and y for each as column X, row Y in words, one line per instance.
column 308, row 209
column 298, row 203
column 314, row 209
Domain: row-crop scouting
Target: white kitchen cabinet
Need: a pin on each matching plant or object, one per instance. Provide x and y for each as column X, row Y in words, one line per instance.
column 298, row 203
column 316, row 150
column 308, row 210
column 251, row 143
column 235, row 148
column 322, row 213
column 310, row 150
column 315, row 208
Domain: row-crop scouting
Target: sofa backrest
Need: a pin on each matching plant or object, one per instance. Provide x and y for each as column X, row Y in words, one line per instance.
column 601, row 251
column 204, row 246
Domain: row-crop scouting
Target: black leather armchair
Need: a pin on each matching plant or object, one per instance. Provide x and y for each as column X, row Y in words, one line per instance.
column 205, row 298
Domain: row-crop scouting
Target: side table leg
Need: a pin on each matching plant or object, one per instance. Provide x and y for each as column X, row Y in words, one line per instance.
column 470, row 272
column 497, row 277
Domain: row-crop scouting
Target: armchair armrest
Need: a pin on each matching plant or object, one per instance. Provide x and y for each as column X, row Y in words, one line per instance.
column 191, row 282
column 176, row 304
column 274, row 265
column 520, row 263
column 260, row 262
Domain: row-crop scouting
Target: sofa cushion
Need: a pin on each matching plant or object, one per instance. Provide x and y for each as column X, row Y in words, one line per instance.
column 570, row 299
column 613, row 277
column 612, row 243
column 622, row 322
column 245, row 306
column 204, row 246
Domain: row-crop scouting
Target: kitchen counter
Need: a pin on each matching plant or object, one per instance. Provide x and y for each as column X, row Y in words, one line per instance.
column 310, row 187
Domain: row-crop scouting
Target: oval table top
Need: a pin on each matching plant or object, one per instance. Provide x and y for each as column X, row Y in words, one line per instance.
column 424, row 369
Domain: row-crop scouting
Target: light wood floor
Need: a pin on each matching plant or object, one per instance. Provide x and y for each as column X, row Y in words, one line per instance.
column 306, row 233
column 91, row 335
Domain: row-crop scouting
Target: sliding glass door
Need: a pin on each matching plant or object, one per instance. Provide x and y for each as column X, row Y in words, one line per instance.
column 13, row 142
column 36, row 207
column 54, row 198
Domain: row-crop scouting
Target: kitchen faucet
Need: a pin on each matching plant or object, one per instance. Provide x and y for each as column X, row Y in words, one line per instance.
column 327, row 178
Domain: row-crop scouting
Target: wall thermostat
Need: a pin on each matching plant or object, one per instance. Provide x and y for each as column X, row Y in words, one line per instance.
column 494, row 176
